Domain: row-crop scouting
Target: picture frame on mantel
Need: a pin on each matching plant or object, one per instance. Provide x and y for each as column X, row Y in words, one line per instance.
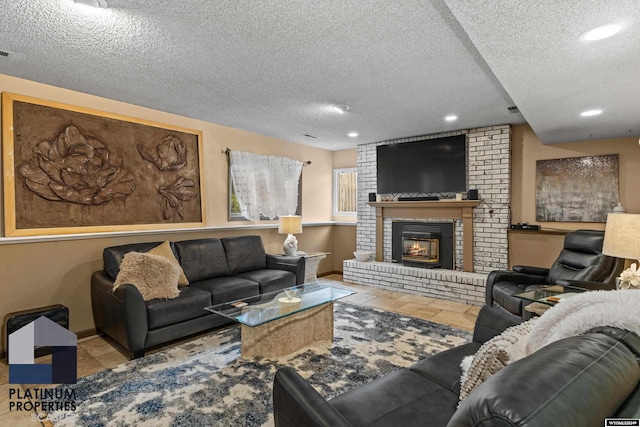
column 577, row 189
column 69, row 169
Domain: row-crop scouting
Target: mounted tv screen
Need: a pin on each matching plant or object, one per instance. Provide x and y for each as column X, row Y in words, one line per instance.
column 429, row 166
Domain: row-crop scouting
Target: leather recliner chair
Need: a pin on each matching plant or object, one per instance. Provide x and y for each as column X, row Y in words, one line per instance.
column 580, row 263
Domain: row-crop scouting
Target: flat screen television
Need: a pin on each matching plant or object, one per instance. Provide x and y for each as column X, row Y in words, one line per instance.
column 428, row 166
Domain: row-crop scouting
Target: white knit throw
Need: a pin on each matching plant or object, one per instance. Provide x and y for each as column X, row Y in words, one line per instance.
column 582, row 312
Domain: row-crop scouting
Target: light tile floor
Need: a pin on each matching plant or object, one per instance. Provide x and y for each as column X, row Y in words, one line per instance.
column 96, row 354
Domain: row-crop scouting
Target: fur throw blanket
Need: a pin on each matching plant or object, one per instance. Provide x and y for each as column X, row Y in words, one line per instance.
column 570, row 317
column 582, row 312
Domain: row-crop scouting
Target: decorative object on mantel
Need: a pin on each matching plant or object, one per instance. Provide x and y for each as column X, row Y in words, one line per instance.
column 576, row 189
column 290, row 225
column 622, row 240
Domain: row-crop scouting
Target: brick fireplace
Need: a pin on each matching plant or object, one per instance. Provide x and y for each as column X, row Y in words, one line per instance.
column 482, row 238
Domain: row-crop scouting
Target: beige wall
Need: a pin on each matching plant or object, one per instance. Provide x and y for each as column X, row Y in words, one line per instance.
column 344, row 244
column 526, row 150
column 41, row 273
column 345, row 158
column 533, row 248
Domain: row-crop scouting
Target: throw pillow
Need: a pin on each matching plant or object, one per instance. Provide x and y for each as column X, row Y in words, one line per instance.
column 153, row 275
column 494, row 355
column 165, row 251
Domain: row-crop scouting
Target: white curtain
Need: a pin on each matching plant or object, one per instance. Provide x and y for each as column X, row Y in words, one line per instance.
column 266, row 185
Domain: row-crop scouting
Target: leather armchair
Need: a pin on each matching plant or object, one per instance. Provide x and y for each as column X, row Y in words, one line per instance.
column 580, row 261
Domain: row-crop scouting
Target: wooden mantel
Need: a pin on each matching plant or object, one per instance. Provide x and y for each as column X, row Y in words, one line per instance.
column 455, row 209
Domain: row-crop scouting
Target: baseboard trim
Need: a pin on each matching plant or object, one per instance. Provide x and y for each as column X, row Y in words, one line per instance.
column 87, row 333
column 329, row 273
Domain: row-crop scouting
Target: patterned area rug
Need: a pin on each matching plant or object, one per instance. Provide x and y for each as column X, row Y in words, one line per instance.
column 206, row 383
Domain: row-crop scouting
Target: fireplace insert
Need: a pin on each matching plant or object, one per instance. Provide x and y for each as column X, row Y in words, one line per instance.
column 421, row 248
column 423, row 244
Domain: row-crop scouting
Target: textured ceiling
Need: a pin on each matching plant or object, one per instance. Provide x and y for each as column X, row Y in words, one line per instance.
column 276, row 67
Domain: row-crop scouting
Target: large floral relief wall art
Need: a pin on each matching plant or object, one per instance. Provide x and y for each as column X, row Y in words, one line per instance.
column 73, row 170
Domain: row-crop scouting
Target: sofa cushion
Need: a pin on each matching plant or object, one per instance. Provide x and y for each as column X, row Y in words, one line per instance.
column 226, row 289
column 166, row 251
column 112, row 256
column 188, row 305
column 244, row 253
column 401, row 398
column 444, row 367
column 153, row 275
column 271, row 280
column 202, row 259
column 576, row 381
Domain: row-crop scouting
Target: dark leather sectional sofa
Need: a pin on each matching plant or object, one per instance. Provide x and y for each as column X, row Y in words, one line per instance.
column 218, row 270
column 576, row 381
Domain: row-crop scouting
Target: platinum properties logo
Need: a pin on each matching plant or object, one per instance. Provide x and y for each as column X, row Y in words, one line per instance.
column 24, row 370
column 43, row 401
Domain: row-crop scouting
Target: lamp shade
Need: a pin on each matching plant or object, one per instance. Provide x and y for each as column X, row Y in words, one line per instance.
column 290, row 224
column 622, row 236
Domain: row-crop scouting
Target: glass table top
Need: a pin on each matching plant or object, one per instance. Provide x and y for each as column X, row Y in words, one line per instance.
column 549, row 295
column 261, row 309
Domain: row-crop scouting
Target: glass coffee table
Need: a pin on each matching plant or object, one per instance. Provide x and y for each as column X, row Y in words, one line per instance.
column 279, row 323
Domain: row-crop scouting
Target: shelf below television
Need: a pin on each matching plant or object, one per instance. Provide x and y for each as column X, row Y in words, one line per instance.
column 443, row 203
column 449, row 208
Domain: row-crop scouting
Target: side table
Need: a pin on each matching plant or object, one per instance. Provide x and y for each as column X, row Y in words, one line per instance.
column 312, row 261
column 545, row 297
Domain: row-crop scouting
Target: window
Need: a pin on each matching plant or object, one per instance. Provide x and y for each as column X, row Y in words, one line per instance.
column 263, row 187
column 234, row 206
column 345, row 191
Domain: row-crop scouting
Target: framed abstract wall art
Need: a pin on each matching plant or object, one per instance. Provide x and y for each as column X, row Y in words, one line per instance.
column 577, row 189
column 70, row 169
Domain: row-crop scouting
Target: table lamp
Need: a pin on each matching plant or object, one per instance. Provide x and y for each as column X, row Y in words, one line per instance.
column 622, row 236
column 290, row 225
column 622, row 240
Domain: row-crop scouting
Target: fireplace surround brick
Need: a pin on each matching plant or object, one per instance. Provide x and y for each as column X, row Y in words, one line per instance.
column 458, row 286
column 488, row 170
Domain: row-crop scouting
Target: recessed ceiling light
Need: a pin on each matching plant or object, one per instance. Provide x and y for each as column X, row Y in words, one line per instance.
column 341, row 108
column 600, row 33
column 591, row 113
column 93, row 3
column 451, row 118
column 353, row 134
